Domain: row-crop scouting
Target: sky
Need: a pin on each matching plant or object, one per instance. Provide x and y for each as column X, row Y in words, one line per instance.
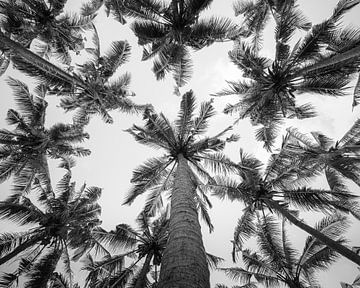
column 115, row 154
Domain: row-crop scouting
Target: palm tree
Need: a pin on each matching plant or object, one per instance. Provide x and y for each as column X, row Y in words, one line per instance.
column 24, row 151
column 184, row 261
column 268, row 93
column 147, row 243
column 101, row 94
column 168, row 30
column 61, row 221
column 338, row 159
column 281, row 185
column 90, row 90
column 58, row 32
column 277, row 262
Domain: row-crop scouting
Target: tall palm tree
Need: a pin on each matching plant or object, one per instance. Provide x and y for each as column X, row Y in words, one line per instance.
column 60, row 221
column 281, row 185
column 338, row 159
column 58, row 32
column 89, row 89
column 26, row 148
column 278, row 262
column 268, row 94
column 168, row 29
column 184, row 261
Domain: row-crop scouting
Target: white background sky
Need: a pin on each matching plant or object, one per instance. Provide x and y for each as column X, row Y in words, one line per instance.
column 115, row 154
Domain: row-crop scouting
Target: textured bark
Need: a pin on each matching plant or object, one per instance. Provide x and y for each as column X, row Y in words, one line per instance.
column 141, row 279
column 347, row 253
column 184, row 261
column 339, row 58
column 39, row 62
column 20, row 249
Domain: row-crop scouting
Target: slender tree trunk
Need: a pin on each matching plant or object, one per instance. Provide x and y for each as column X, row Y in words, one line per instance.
column 184, row 262
column 347, row 253
column 39, row 62
column 141, row 279
column 339, row 58
column 19, row 249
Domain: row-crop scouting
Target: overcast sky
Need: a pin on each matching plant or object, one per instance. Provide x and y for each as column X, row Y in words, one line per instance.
column 115, row 154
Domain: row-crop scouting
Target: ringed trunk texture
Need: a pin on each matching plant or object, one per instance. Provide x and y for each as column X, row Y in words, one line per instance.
column 184, row 262
column 141, row 279
column 347, row 253
column 339, row 58
column 39, row 62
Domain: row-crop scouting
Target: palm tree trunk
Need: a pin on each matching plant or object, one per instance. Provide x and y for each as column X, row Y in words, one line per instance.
column 328, row 63
column 141, row 279
column 20, row 249
column 39, row 62
column 347, row 253
column 184, row 262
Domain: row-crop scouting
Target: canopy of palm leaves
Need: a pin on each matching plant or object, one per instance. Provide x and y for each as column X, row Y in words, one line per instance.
column 256, row 15
column 60, row 222
column 146, row 243
column 181, row 137
column 268, row 93
column 27, row 146
column 277, row 261
column 282, row 184
column 58, row 32
column 88, row 89
column 168, row 29
column 339, row 160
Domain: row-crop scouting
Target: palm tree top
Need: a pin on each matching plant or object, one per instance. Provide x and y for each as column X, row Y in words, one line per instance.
column 277, row 261
column 167, row 29
column 268, row 94
column 182, row 140
column 31, row 140
column 182, row 136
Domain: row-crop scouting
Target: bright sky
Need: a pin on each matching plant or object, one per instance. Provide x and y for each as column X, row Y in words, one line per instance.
column 115, row 154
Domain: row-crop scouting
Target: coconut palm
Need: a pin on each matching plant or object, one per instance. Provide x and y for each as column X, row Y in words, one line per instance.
column 58, row 32
column 24, row 151
column 281, row 185
column 61, row 222
column 278, row 262
column 101, row 94
column 146, row 243
column 339, row 160
column 168, row 30
column 184, row 261
column 268, row 93
column 89, row 89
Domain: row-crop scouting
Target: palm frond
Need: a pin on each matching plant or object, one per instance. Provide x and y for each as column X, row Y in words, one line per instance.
column 244, row 230
column 185, row 116
column 146, row 176
column 118, row 54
